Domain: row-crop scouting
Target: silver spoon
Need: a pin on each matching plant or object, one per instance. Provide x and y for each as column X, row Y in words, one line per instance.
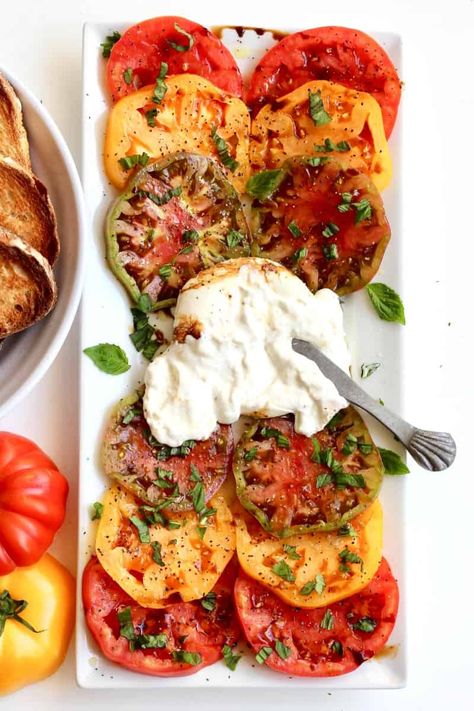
column 432, row 450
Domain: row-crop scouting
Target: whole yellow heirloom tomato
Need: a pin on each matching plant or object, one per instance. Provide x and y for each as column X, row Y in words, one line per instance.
column 36, row 622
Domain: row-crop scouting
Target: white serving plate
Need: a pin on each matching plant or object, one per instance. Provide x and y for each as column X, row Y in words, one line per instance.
column 25, row 357
column 106, row 318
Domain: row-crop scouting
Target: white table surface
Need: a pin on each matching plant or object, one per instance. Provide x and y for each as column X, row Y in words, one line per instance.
column 41, row 44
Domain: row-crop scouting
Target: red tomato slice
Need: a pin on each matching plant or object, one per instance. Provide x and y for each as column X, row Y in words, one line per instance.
column 326, row 641
column 339, row 54
column 189, row 627
column 142, row 48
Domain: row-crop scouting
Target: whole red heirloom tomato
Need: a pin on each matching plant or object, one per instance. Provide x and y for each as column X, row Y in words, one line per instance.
column 33, row 496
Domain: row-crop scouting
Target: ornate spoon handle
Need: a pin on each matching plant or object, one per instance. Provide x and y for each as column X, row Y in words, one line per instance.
column 431, row 450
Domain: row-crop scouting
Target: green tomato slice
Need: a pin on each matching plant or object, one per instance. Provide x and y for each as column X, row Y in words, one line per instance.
column 294, row 484
column 177, row 216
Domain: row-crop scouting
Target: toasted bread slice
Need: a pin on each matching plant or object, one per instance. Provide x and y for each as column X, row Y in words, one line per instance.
column 27, row 287
column 13, row 138
column 26, row 210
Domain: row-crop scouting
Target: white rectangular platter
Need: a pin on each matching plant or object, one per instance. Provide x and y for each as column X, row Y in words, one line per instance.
column 106, row 318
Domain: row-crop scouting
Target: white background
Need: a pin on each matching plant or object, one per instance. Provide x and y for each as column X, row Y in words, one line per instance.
column 41, row 44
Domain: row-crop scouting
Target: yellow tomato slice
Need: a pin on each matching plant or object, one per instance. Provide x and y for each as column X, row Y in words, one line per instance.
column 191, row 108
column 190, row 565
column 285, row 128
column 312, row 554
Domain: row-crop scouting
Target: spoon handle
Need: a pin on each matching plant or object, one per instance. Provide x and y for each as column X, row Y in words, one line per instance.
column 431, row 450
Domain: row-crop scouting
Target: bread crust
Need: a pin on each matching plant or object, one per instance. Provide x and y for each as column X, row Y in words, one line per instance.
column 25, row 208
column 27, row 287
column 13, row 138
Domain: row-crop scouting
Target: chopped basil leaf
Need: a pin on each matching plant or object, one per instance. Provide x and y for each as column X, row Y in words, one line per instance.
column 326, row 457
column 157, row 553
column 346, row 556
column 144, row 303
column 316, row 585
column 182, row 655
column 363, row 210
column 365, row 624
column 109, row 358
column 198, row 497
column 164, row 478
column 263, row 655
column 342, row 479
column 282, row 650
column 109, row 42
column 151, row 641
column 128, row 75
column 350, row 444
column 323, row 480
column 129, row 162
column 223, row 152
column 181, row 451
column 195, row 475
column 315, row 457
column 150, row 116
column 208, row 602
column 327, row 623
column 330, row 229
column 127, row 629
column 165, row 271
column 190, row 236
column 186, row 250
column 347, row 530
column 233, row 238
column 180, row 47
column 291, row 551
column 329, row 146
column 386, row 302
column 281, row 440
column 294, row 229
column 250, row 454
column 230, row 660
column 330, row 251
column 335, row 420
column 142, row 528
column 262, row 185
column 161, row 199
column 336, row 647
column 316, row 109
column 366, row 369
column 97, row 510
column 173, row 525
column 160, row 86
column 392, row 463
column 143, row 336
column 201, row 530
column 318, row 160
column 365, row 447
column 343, row 146
column 300, row 253
column 283, row 570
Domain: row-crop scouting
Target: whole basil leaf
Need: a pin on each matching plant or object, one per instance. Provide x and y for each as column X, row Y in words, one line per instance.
column 387, row 302
column 109, row 358
column 392, row 463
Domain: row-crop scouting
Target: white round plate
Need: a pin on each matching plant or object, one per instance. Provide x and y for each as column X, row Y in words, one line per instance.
column 25, row 357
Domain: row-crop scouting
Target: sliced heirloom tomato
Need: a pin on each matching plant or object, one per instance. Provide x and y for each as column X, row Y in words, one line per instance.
column 339, row 54
column 317, row 119
column 163, row 476
column 185, row 46
column 325, row 223
column 177, row 640
column 313, row 569
column 178, row 215
column 296, row 484
column 159, row 561
column 325, row 642
column 193, row 115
